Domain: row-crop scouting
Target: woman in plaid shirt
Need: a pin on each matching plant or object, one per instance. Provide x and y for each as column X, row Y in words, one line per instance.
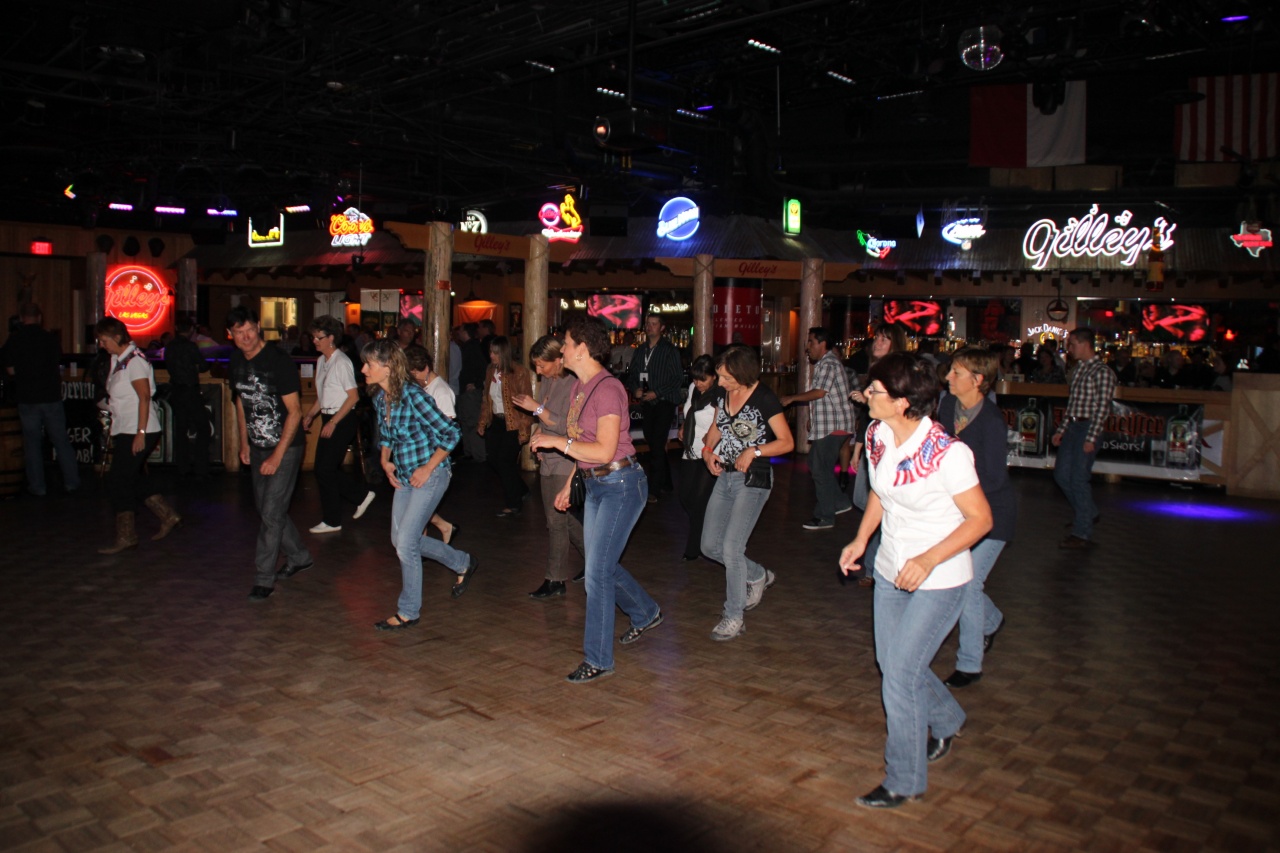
column 416, row 440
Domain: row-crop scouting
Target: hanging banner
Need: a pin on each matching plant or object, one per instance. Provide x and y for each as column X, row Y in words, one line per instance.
column 736, row 311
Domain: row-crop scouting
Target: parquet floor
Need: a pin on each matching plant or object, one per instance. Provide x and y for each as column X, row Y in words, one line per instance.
column 1130, row 703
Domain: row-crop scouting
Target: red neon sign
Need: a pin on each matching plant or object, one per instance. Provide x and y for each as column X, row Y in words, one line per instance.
column 1253, row 238
column 41, row 247
column 137, row 297
column 350, row 228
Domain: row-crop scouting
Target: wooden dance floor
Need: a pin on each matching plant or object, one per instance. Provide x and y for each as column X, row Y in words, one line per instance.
column 1131, row 703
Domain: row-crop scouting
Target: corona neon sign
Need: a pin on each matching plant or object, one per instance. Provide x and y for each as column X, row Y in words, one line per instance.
column 350, row 228
column 138, row 298
column 561, row 222
column 273, row 237
column 876, row 248
column 1090, row 236
column 1253, row 238
column 679, row 219
column 963, row 232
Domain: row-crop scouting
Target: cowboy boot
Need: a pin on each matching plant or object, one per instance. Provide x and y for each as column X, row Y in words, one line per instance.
column 125, row 535
column 169, row 519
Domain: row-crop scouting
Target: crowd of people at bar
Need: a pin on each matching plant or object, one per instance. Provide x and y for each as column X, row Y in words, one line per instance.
column 926, row 467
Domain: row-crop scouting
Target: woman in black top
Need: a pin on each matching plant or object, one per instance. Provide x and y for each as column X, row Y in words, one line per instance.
column 969, row 414
column 696, row 482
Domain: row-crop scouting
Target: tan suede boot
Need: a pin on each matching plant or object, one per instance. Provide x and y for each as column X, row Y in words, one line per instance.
column 125, row 535
column 169, row 518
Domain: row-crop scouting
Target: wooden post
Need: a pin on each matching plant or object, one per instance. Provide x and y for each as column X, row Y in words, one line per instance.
column 703, row 282
column 436, row 304
column 811, row 278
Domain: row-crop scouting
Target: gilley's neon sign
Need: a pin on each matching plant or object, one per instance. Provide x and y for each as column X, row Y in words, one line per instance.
column 1090, row 236
column 138, row 298
column 350, row 228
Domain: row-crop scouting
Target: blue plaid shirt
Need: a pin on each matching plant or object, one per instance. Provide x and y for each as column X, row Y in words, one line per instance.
column 414, row 430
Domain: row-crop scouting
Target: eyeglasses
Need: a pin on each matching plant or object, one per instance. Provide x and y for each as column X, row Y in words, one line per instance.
column 870, row 392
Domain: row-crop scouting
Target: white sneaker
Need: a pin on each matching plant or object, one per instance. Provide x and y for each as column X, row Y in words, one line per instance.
column 325, row 528
column 364, row 505
column 755, row 590
column 728, row 629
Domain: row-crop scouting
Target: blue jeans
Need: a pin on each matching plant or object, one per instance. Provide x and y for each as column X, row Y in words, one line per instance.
column 1072, row 473
column 51, row 418
column 411, row 509
column 614, row 503
column 272, row 495
column 910, row 626
column 732, row 513
column 979, row 615
column 824, row 453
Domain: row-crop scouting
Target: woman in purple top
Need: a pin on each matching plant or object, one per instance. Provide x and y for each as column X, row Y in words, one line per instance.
column 617, row 490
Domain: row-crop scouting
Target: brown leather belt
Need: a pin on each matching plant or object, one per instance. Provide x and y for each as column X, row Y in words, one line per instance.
column 625, row 462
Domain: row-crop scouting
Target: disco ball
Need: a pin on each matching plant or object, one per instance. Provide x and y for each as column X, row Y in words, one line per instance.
column 980, row 48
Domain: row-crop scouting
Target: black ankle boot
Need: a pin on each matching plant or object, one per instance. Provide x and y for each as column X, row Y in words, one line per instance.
column 549, row 589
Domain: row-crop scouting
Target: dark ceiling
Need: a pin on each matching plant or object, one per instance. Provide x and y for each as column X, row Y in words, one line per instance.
column 423, row 108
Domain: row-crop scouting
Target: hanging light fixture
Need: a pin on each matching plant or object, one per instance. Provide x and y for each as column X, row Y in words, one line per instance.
column 980, row 48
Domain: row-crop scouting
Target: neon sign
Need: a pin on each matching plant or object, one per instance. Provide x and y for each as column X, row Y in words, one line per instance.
column 1046, row 331
column 350, row 228
column 138, row 298
column 1180, row 321
column 561, row 222
column 963, row 232
column 669, row 307
column 791, row 216
column 1090, row 237
column 273, row 237
column 1253, row 238
column 876, row 248
column 679, row 219
column 474, row 222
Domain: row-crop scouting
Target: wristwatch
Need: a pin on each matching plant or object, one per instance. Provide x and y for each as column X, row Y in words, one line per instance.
column 539, row 410
column 758, row 453
column 142, row 432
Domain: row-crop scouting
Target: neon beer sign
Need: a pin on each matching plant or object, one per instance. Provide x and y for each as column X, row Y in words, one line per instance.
column 1253, row 238
column 1092, row 235
column 561, row 221
column 963, row 232
column 679, row 219
column 273, row 237
column 137, row 297
column 350, row 228
column 876, row 248
column 475, row 222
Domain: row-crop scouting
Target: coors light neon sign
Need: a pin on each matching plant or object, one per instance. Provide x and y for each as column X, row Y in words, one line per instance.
column 138, row 298
column 350, row 228
column 1092, row 235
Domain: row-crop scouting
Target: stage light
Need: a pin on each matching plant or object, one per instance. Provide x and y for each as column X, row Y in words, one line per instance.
column 215, row 211
column 298, row 208
column 759, row 45
column 842, row 78
column 175, row 211
column 116, row 205
column 980, row 48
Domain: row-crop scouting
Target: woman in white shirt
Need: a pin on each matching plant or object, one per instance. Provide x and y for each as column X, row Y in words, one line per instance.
column 926, row 494
column 422, row 367
column 336, row 398
column 696, row 481
column 135, row 432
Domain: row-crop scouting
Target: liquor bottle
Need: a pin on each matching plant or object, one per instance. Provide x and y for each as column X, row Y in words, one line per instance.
column 1180, row 440
column 1030, row 429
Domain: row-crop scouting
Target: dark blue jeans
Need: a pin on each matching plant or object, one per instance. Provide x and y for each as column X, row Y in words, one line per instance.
column 39, row 419
column 1073, row 473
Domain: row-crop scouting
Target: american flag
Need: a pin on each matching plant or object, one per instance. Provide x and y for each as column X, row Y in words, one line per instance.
column 1240, row 112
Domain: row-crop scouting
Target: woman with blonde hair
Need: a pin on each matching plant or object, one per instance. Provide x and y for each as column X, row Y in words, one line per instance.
column 416, row 440
column 554, row 468
column 503, row 425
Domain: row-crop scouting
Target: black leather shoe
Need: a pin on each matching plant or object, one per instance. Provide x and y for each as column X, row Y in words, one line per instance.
column 580, row 576
column 936, row 748
column 290, row 571
column 960, row 678
column 398, row 625
column 883, row 798
column 586, row 672
column 989, row 640
column 549, row 589
column 261, row 593
column 464, row 580
column 633, row 633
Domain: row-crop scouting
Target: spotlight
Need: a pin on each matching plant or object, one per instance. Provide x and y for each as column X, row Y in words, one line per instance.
column 980, row 48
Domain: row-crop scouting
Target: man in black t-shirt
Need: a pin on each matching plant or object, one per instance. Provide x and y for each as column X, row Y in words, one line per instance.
column 267, row 392
column 184, row 362
column 31, row 357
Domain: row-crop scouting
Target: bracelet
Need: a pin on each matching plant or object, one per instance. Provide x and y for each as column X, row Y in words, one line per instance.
column 567, row 443
column 539, row 410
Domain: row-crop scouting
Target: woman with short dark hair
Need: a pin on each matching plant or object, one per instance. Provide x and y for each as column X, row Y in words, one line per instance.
column 336, row 399
column 597, row 439
column 696, row 481
column 750, row 427
column 926, row 495
column 504, row 426
column 135, row 432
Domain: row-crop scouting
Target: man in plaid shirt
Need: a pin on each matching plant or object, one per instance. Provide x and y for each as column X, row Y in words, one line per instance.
column 830, row 424
column 1092, row 386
